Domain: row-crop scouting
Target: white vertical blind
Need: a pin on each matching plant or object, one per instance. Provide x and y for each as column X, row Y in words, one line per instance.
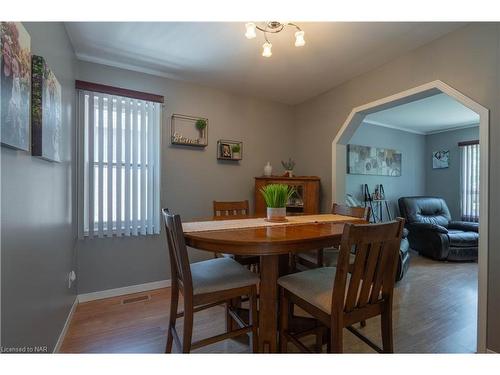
column 469, row 182
column 119, row 157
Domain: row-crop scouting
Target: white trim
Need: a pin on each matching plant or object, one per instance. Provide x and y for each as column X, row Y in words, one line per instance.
column 489, row 351
column 64, row 330
column 357, row 116
column 465, row 125
column 86, row 297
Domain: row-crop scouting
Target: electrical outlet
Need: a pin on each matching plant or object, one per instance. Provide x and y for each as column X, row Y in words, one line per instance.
column 71, row 278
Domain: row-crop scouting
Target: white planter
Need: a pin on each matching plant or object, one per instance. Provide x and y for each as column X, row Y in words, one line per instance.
column 236, row 155
column 276, row 214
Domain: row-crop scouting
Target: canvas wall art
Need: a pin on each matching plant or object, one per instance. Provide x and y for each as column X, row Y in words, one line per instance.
column 440, row 159
column 46, row 115
column 15, row 85
column 376, row 161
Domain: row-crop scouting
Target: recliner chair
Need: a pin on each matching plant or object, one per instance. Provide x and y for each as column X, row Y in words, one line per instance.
column 434, row 234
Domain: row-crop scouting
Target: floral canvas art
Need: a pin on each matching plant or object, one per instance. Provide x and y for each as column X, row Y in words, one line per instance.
column 15, row 85
column 46, row 116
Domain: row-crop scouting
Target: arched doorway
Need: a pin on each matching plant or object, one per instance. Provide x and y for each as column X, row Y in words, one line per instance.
column 339, row 155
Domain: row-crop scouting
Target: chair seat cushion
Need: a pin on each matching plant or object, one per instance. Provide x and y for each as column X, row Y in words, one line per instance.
column 459, row 238
column 220, row 274
column 314, row 286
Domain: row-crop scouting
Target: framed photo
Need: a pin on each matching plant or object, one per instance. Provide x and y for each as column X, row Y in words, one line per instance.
column 225, row 151
column 229, row 150
column 440, row 159
column 46, row 112
column 15, row 85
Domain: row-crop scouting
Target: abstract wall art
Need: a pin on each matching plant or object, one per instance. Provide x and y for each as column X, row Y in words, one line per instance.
column 376, row 161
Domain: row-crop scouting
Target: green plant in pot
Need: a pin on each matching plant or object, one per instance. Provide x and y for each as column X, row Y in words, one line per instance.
column 201, row 125
column 236, row 149
column 276, row 197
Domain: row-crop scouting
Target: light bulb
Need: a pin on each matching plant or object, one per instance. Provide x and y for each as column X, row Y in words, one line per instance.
column 266, row 52
column 299, row 39
column 250, row 34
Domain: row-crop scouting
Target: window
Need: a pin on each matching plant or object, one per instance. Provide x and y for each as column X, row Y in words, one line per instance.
column 119, row 172
column 469, row 180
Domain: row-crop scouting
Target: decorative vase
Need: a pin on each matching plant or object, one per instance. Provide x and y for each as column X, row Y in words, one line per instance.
column 276, row 214
column 268, row 169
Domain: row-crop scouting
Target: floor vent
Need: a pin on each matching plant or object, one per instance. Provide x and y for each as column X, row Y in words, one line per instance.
column 136, row 299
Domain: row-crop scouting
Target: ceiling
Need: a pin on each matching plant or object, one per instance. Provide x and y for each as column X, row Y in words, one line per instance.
column 217, row 54
column 433, row 114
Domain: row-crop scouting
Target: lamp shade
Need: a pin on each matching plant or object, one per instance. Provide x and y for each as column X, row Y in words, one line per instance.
column 299, row 39
column 266, row 52
column 250, row 33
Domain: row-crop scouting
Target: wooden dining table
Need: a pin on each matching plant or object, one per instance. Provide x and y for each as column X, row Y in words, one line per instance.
column 273, row 243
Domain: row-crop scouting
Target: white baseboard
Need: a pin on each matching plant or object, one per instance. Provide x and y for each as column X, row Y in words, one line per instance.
column 86, row 297
column 489, row 351
column 62, row 335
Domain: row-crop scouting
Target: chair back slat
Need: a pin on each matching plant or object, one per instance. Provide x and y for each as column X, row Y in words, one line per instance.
column 368, row 277
column 179, row 259
column 373, row 273
column 240, row 208
column 359, row 212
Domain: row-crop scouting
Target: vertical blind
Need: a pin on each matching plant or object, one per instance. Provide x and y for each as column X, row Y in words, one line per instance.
column 119, row 165
column 469, row 181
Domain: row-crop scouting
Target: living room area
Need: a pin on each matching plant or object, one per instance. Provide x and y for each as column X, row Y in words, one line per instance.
column 420, row 160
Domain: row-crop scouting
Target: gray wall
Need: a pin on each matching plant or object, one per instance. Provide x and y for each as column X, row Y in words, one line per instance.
column 468, row 60
column 191, row 178
column 445, row 182
column 412, row 179
column 37, row 232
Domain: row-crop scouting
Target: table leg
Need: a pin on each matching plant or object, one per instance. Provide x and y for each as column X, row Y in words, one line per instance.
column 271, row 267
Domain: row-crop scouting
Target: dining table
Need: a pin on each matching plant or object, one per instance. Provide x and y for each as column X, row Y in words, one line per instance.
column 273, row 242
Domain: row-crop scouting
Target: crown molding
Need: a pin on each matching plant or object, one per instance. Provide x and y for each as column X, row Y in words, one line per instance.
column 465, row 125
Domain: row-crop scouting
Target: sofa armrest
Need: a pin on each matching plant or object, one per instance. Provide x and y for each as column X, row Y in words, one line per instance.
column 465, row 226
column 428, row 227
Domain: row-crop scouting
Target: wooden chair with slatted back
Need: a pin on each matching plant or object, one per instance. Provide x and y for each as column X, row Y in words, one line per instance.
column 235, row 210
column 203, row 285
column 321, row 257
column 341, row 296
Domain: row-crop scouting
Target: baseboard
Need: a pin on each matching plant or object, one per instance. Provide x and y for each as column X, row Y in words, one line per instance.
column 86, row 297
column 489, row 351
column 62, row 335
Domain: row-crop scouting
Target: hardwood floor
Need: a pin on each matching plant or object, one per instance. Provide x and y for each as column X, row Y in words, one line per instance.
column 435, row 311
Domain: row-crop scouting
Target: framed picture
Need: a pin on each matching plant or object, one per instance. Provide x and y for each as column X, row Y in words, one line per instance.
column 46, row 111
column 15, row 85
column 229, row 150
column 188, row 130
column 440, row 159
column 369, row 160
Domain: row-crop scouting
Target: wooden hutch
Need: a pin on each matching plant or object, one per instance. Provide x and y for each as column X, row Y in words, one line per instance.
column 304, row 201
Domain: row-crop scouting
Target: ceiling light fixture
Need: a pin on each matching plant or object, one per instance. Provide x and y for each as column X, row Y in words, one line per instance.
column 273, row 27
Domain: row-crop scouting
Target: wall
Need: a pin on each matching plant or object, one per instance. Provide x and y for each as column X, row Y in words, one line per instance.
column 438, row 180
column 412, row 179
column 468, row 60
column 191, row 178
column 37, row 233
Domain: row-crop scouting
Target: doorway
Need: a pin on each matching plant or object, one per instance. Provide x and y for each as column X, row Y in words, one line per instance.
column 339, row 160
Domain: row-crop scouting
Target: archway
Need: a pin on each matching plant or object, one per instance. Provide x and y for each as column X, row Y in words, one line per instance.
column 339, row 156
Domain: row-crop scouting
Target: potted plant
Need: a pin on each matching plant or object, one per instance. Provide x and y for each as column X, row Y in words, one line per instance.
column 288, row 165
column 236, row 148
column 201, row 125
column 276, row 197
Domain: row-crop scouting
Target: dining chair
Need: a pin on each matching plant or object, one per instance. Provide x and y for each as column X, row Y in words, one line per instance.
column 203, row 285
column 235, row 210
column 328, row 257
column 341, row 296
